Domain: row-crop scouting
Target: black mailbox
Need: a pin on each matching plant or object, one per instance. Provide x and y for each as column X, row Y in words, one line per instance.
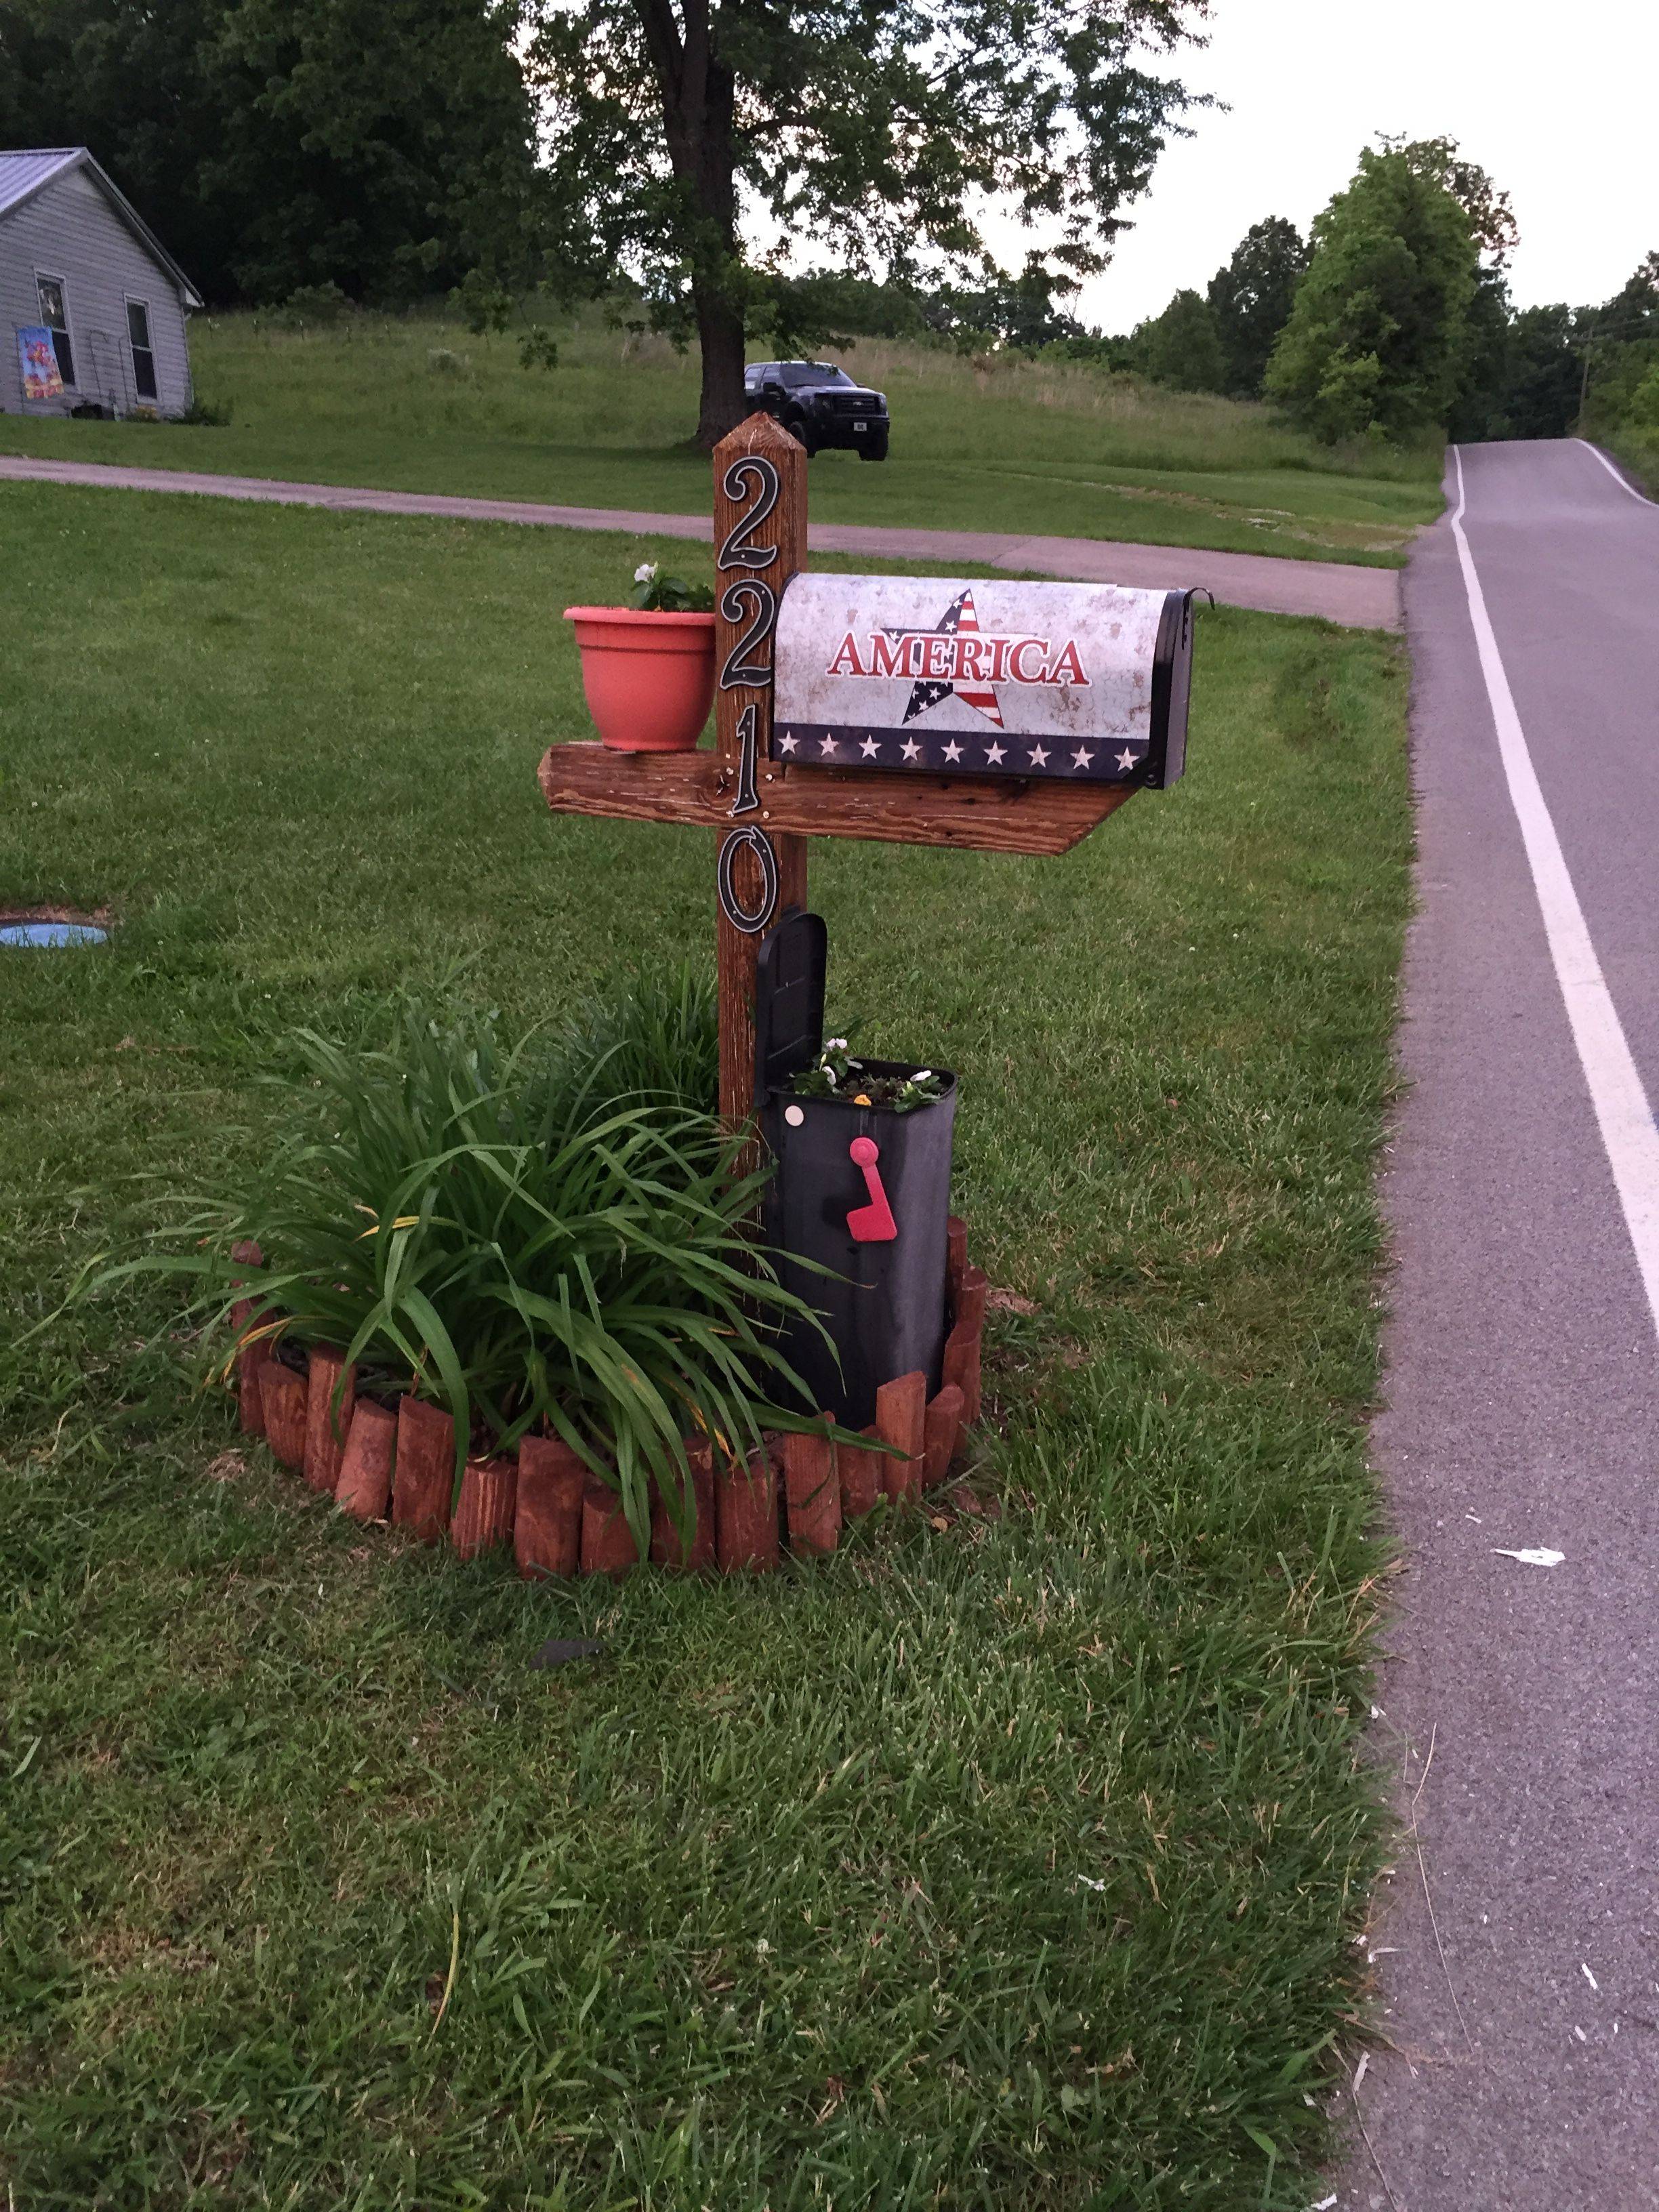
column 861, row 1192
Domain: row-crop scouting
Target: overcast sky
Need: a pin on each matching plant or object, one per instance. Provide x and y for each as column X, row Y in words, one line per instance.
column 1558, row 103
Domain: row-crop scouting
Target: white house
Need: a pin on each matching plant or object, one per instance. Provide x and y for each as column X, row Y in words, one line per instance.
column 92, row 305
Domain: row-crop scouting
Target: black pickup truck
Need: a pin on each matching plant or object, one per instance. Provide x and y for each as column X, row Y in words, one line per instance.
column 822, row 405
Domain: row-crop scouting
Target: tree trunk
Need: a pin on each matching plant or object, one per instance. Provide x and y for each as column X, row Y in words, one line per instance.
column 720, row 334
column 698, row 92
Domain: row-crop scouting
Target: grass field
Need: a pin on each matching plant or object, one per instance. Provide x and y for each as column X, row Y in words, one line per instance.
column 1014, row 1864
column 421, row 405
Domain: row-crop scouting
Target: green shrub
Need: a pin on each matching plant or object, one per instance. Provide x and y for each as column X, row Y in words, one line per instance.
column 552, row 1234
column 312, row 307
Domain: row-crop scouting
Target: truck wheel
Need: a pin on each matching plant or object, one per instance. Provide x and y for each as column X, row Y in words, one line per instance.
column 798, row 426
column 873, row 452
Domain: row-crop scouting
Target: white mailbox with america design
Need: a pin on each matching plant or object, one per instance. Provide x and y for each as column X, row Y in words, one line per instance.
column 937, row 676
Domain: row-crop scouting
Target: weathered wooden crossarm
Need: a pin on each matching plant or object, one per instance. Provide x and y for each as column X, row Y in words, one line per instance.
column 697, row 789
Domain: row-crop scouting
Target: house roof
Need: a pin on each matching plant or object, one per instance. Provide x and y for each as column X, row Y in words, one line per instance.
column 24, row 172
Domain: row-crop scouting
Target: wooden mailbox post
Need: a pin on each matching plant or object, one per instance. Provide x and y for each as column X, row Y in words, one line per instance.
column 762, row 804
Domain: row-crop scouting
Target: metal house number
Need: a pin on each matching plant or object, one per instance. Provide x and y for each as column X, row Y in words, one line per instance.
column 747, row 598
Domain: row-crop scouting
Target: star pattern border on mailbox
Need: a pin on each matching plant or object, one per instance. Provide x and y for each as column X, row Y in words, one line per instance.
column 956, row 753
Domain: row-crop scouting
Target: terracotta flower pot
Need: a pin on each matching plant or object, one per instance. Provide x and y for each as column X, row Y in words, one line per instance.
column 364, row 1489
column 668, row 1548
column 547, row 1527
column 746, row 1511
column 484, row 1513
column 608, row 1542
column 282, row 1401
column 423, row 1482
column 333, row 1391
column 901, row 1419
column 649, row 678
column 811, row 1494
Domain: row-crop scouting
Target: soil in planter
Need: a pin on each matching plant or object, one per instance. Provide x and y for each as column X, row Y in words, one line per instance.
column 861, row 1086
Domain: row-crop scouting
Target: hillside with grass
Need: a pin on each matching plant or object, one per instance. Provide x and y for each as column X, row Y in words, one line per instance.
column 998, row 440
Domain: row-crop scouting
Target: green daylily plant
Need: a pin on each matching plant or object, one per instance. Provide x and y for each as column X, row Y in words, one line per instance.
column 550, row 1235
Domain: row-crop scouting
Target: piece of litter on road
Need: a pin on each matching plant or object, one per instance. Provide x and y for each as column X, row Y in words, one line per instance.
column 1580, row 2033
column 1538, row 1555
column 1323, row 2205
column 1476, row 1517
column 1359, row 2070
column 1589, row 1978
column 1377, row 1713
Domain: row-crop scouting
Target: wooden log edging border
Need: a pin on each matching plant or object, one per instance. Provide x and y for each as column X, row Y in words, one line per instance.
column 395, row 1467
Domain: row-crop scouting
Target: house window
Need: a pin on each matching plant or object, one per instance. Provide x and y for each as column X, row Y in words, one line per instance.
column 144, row 359
column 55, row 316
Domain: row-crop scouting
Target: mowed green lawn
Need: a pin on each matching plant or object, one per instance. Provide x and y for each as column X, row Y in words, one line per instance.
column 419, row 404
column 1014, row 1862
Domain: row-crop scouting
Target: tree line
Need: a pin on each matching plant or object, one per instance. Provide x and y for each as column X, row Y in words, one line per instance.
column 1394, row 317
column 393, row 150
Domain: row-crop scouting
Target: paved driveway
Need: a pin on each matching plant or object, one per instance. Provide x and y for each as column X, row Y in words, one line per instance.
column 1366, row 599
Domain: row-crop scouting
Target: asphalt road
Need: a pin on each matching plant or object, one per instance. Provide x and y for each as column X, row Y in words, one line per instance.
column 1363, row 598
column 1517, row 1941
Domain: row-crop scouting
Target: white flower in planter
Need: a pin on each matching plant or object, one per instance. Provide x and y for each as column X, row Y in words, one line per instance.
column 645, row 572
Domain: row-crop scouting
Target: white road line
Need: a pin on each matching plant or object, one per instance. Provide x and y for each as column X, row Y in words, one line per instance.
column 1623, row 484
column 1615, row 1087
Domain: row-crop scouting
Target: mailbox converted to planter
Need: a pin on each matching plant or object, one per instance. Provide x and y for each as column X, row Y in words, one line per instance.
column 925, row 677
column 859, row 1200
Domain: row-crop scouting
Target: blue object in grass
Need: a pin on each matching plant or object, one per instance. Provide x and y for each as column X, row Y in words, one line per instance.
column 51, row 935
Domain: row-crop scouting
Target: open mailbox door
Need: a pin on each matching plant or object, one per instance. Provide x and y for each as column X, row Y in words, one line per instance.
column 1078, row 682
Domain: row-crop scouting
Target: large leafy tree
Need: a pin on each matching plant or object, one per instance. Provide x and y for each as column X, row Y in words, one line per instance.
column 1375, row 340
column 1182, row 348
column 386, row 146
column 1251, row 298
column 1491, row 217
column 686, row 136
